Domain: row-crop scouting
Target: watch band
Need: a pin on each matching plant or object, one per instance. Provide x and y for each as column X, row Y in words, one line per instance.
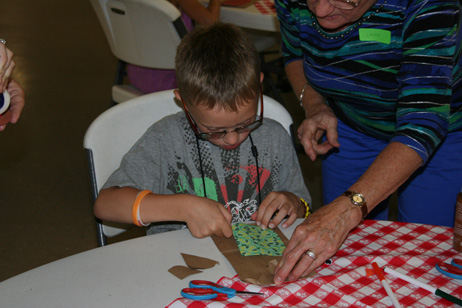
column 361, row 205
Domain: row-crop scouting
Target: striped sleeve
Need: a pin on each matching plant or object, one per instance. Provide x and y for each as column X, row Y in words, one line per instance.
column 287, row 12
column 425, row 77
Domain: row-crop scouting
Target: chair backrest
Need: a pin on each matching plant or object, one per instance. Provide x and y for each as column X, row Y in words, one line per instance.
column 141, row 32
column 114, row 132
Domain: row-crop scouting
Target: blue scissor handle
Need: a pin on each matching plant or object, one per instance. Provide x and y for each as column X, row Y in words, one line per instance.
column 453, row 271
column 193, row 294
column 200, row 294
column 204, row 284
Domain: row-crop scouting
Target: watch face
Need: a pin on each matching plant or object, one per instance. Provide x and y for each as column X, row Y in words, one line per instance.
column 357, row 198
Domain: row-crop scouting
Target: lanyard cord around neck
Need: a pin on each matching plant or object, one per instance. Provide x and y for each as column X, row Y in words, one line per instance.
column 200, row 164
column 254, row 154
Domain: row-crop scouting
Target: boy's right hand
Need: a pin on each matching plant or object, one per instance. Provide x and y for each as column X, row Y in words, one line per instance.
column 206, row 217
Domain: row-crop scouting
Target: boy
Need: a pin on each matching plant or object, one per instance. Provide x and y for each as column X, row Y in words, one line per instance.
column 218, row 147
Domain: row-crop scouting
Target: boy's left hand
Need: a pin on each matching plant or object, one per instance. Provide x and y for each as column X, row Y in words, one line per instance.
column 284, row 203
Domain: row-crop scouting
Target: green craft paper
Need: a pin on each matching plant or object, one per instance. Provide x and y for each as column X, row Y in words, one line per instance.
column 254, row 241
column 374, row 35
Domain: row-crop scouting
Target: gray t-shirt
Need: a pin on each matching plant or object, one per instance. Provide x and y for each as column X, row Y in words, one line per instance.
column 166, row 160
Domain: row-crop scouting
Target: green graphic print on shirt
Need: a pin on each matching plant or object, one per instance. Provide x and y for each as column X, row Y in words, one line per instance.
column 228, row 180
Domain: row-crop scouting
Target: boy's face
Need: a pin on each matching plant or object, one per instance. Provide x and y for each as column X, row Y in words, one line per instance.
column 218, row 119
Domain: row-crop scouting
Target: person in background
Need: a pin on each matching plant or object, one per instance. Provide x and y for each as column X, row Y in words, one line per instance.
column 15, row 91
column 381, row 85
column 219, row 161
column 149, row 80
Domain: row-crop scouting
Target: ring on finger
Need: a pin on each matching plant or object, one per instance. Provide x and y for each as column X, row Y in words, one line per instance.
column 311, row 254
column 3, row 41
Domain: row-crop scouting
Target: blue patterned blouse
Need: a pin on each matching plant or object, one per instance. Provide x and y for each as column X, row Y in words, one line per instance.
column 395, row 74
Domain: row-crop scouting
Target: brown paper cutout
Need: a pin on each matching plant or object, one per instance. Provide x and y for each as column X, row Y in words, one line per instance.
column 196, row 262
column 181, row 271
column 253, row 269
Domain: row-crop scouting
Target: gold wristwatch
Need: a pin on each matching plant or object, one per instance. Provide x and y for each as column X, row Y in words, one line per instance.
column 358, row 200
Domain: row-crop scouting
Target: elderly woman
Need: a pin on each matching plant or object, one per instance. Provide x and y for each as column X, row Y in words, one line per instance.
column 381, row 85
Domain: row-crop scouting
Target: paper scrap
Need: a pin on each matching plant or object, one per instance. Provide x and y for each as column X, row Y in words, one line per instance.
column 181, row 271
column 196, row 262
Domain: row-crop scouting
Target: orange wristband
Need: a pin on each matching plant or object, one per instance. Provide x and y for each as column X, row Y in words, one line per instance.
column 136, row 208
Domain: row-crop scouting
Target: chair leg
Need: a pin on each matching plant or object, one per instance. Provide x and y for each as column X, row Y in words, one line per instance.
column 120, row 72
column 119, row 77
column 101, row 238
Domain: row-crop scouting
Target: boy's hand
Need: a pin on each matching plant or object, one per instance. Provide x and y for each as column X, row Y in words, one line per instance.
column 206, row 217
column 284, row 203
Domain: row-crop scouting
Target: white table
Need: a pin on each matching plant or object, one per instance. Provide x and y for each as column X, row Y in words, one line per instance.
column 250, row 17
column 132, row 273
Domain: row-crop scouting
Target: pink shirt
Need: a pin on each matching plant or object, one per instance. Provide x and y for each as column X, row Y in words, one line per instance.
column 149, row 80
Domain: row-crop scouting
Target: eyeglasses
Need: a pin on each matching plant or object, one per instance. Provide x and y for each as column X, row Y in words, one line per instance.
column 345, row 4
column 217, row 135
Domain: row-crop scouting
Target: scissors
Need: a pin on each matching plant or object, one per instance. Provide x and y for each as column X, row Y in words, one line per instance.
column 453, row 270
column 203, row 289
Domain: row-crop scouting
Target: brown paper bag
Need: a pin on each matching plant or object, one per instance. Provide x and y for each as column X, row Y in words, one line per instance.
column 252, row 269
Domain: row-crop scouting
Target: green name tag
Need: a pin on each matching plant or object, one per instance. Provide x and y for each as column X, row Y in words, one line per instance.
column 374, row 35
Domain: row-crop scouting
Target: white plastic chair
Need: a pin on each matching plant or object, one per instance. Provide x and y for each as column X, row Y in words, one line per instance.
column 115, row 131
column 140, row 32
column 146, row 33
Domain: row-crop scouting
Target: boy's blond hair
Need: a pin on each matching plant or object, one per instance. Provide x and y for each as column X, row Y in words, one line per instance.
column 217, row 64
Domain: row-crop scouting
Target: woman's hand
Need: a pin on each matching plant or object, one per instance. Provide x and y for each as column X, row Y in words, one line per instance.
column 17, row 102
column 319, row 120
column 206, row 217
column 6, row 66
column 284, row 204
column 322, row 233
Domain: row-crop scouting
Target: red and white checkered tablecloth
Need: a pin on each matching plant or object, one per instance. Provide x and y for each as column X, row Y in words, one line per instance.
column 412, row 249
column 266, row 7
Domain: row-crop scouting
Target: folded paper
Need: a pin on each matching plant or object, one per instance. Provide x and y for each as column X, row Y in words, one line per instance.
column 257, row 269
